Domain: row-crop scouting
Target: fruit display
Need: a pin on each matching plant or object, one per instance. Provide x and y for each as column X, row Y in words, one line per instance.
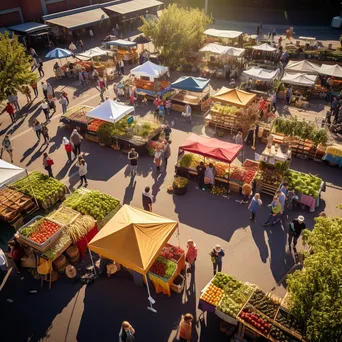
column 52, row 252
column 64, row 215
column 163, row 268
column 221, row 279
column 281, row 336
column 255, row 319
column 172, row 253
column 225, row 109
column 229, row 307
column 93, row 203
column 94, row 125
column 212, row 295
column 80, row 227
column 268, row 305
column 78, row 114
column 219, row 190
column 180, row 182
column 251, row 165
column 241, row 175
column 41, row 230
column 304, row 183
column 289, row 321
column 335, row 151
column 47, row 190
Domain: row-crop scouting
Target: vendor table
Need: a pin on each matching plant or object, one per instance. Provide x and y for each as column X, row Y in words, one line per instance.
column 332, row 159
column 309, row 201
column 162, row 285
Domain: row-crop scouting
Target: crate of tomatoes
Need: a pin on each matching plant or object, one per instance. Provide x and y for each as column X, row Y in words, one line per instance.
column 40, row 233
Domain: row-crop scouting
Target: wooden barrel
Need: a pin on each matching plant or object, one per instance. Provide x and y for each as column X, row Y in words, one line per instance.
column 75, row 259
column 72, row 252
column 61, row 263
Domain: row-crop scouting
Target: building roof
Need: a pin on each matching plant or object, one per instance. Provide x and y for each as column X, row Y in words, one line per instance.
column 28, row 27
column 133, row 6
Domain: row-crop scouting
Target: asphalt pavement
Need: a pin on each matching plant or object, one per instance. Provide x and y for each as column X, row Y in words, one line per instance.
column 70, row 312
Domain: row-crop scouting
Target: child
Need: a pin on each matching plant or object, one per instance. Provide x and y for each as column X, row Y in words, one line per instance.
column 185, row 328
column 254, row 205
column 246, row 192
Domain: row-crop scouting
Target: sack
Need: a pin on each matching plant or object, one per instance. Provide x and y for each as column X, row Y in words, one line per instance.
column 49, row 162
column 207, row 180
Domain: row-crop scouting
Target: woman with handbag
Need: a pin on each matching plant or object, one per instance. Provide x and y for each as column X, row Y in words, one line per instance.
column 216, row 258
column 48, row 162
column 158, row 158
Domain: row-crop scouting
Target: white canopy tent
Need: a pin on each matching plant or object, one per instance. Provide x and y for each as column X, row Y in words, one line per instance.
column 261, row 74
column 223, row 50
column 89, row 54
column 223, row 33
column 10, row 173
column 264, row 47
column 299, row 79
column 110, row 111
column 302, row 66
column 149, row 69
column 331, row 70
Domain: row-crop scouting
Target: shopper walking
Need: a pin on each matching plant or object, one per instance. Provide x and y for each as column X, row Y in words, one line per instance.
column 82, row 171
column 47, row 163
column 102, row 89
column 166, row 152
column 274, row 102
column 216, row 258
column 275, row 212
column 250, row 138
column 45, row 109
column 185, row 328
column 81, row 45
column 76, row 140
column 63, row 101
column 246, row 192
column 44, row 89
column 65, row 94
column 238, row 138
column 45, row 134
column 91, row 34
column 40, row 68
column 282, row 198
column 126, row 333
column 295, row 229
column 158, row 158
column 133, row 161
column 10, row 110
column 6, row 145
column 13, row 100
column 254, row 205
column 147, row 199
column 34, row 86
column 37, row 127
column 288, row 95
column 73, row 48
column 167, row 132
column 188, row 113
column 16, row 252
column 50, row 91
column 200, row 175
column 191, row 254
column 122, row 66
column 52, row 105
column 168, row 105
column 68, row 148
column 27, row 92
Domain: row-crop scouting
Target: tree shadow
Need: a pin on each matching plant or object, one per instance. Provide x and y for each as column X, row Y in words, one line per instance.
column 129, row 191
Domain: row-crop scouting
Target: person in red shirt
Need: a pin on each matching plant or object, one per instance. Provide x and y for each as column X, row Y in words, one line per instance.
column 191, row 254
column 17, row 252
column 10, row 110
column 262, row 104
column 68, row 148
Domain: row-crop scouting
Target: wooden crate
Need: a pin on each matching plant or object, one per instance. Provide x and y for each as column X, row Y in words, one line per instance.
column 92, row 138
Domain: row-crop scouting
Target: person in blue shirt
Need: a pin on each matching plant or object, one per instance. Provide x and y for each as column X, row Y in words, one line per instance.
column 216, row 257
column 254, row 205
column 284, row 188
column 281, row 198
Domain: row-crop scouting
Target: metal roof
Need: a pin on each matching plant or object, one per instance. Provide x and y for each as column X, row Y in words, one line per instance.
column 28, row 27
column 133, row 6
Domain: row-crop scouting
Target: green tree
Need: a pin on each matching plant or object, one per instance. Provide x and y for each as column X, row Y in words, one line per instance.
column 15, row 66
column 316, row 291
column 176, row 32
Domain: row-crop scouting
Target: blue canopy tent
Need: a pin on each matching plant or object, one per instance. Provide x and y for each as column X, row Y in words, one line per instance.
column 194, row 91
column 58, row 53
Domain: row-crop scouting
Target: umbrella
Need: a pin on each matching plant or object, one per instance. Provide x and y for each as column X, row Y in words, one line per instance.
column 58, row 53
column 141, row 40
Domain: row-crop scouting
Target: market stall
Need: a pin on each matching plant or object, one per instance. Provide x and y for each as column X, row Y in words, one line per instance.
column 123, row 49
column 147, row 234
column 227, row 37
column 248, row 313
column 194, row 91
column 333, row 155
column 150, row 80
column 76, row 117
column 259, row 80
column 264, row 56
column 335, row 74
column 91, row 54
column 112, row 125
column 301, row 85
column 209, row 150
column 232, row 109
column 303, row 66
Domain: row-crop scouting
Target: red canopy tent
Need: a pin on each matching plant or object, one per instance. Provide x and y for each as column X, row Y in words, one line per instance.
column 211, row 148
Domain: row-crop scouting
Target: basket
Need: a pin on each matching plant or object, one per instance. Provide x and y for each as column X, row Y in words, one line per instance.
column 178, row 288
column 72, row 252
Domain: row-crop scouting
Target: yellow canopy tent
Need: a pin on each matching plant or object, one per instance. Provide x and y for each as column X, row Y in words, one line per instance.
column 133, row 238
column 234, row 97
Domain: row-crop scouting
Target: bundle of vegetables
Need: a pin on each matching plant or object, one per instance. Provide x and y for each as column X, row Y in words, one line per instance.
column 335, row 151
column 81, row 227
column 241, row 175
column 226, row 109
column 180, row 182
column 42, row 185
column 280, row 335
column 60, row 244
column 93, row 203
column 171, row 252
column 265, row 304
column 64, row 215
column 40, row 230
column 251, row 165
column 94, row 125
column 169, row 267
column 289, row 321
column 158, row 268
column 219, row 190
column 304, row 183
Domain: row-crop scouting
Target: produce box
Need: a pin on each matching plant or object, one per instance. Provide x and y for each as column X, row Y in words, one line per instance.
column 40, row 233
column 80, row 227
column 163, row 268
column 303, row 183
column 289, row 323
column 212, row 295
column 62, row 243
column 171, row 253
column 103, row 222
column 64, row 215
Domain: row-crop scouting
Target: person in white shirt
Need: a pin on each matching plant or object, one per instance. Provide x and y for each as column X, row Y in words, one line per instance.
column 72, row 48
column 44, row 88
column 91, row 34
column 82, row 171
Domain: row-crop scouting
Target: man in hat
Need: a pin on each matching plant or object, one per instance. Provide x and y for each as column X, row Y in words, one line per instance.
column 216, row 257
column 295, row 229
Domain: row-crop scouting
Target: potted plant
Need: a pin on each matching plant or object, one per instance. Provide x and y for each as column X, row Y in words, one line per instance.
column 180, row 185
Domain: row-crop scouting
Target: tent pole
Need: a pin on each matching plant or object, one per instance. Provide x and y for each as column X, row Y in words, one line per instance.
column 228, row 177
column 34, row 195
column 150, row 299
column 91, row 258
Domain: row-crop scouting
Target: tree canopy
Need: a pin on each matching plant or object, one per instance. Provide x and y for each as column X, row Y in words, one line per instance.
column 176, row 32
column 15, row 66
column 316, row 291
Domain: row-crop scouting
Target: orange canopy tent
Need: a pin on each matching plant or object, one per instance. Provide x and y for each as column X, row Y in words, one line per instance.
column 134, row 238
column 234, row 97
